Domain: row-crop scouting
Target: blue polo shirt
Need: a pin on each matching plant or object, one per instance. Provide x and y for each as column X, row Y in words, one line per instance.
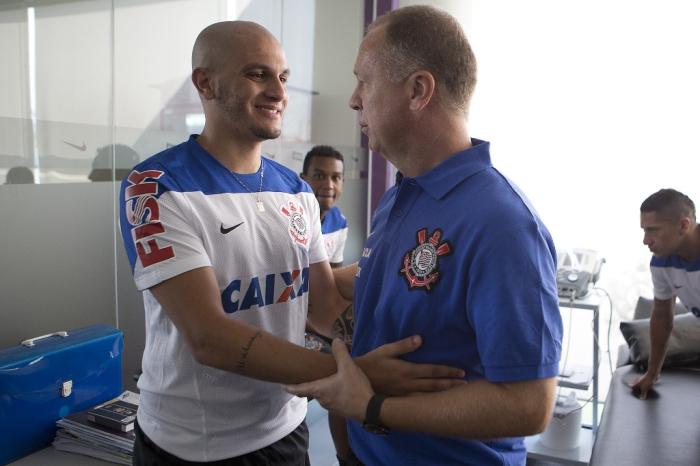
column 459, row 256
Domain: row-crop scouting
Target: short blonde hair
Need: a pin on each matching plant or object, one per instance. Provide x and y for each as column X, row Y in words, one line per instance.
column 422, row 37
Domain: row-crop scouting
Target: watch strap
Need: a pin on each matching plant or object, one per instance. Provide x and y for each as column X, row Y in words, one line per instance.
column 371, row 422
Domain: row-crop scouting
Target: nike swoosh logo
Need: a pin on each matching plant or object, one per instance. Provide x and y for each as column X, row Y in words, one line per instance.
column 676, row 286
column 80, row 148
column 226, row 231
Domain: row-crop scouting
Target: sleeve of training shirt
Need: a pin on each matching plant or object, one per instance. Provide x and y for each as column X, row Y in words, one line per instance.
column 662, row 287
column 340, row 248
column 159, row 236
column 317, row 247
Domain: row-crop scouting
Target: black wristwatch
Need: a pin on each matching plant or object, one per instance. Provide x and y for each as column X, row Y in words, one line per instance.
column 371, row 422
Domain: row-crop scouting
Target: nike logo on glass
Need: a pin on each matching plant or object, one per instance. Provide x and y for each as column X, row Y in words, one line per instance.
column 677, row 286
column 80, row 148
column 230, row 229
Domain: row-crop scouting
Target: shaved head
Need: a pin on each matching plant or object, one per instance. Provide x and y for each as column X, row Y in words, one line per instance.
column 217, row 41
column 240, row 72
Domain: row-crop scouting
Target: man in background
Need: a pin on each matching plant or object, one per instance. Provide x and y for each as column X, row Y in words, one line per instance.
column 673, row 236
column 226, row 246
column 456, row 253
column 324, row 171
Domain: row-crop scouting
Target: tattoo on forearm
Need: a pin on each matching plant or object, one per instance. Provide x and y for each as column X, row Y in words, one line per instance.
column 344, row 325
column 241, row 366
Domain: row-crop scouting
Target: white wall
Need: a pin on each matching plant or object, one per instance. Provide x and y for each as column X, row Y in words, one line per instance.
column 13, row 36
column 153, row 43
column 334, row 121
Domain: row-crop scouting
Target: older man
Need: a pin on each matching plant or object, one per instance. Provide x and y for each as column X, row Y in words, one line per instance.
column 456, row 253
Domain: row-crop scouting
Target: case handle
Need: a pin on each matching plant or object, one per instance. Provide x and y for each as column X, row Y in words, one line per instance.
column 31, row 341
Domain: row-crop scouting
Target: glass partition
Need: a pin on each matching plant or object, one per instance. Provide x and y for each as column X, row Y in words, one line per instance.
column 90, row 88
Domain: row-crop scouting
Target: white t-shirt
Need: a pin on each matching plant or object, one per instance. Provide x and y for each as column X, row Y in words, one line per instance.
column 180, row 210
column 673, row 276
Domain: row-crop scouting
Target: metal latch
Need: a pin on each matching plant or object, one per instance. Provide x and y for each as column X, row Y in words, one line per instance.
column 66, row 388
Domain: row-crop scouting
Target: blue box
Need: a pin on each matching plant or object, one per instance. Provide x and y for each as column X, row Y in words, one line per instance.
column 49, row 377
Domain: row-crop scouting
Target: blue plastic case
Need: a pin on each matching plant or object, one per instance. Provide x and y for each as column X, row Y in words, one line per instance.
column 49, row 377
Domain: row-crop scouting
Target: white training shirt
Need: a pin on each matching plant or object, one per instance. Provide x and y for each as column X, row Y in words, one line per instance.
column 334, row 228
column 673, row 276
column 180, row 210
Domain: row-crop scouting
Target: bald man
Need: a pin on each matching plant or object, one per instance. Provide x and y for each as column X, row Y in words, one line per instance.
column 226, row 246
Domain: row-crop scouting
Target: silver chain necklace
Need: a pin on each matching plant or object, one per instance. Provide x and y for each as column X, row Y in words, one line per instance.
column 258, row 202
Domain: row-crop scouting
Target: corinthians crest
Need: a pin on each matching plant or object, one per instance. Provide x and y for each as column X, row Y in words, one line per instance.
column 298, row 226
column 420, row 264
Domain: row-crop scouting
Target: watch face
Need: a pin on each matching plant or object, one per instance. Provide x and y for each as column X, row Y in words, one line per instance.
column 376, row 429
column 315, row 342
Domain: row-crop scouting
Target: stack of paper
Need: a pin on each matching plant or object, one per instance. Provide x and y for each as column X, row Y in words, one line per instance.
column 79, row 435
column 115, row 414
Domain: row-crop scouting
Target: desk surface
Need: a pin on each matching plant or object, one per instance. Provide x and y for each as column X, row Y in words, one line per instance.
column 50, row 455
column 591, row 302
